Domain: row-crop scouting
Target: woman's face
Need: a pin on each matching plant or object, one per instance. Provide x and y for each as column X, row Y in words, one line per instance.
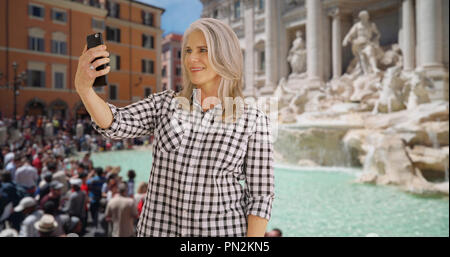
column 196, row 61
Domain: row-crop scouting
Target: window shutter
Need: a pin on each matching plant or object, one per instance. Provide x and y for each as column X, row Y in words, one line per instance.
column 152, row 70
column 30, row 10
column 143, row 66
column 143, row 16
column 118, row 35
column 143, row 40
column 30, row 43
column 152, row 42
column 53, row 46
column 40, row 44
column 117, row 10
column 63, row 48
column 118, row 62
column 29, row 79
column 42, row 74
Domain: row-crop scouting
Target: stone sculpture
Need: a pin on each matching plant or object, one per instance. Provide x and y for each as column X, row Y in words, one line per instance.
column 364, row 37
column 297, row 54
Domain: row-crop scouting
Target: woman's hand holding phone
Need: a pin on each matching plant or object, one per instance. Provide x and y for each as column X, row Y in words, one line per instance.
column 86, row 71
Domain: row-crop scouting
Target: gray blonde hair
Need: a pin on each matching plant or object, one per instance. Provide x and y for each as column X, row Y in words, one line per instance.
column 225, row 57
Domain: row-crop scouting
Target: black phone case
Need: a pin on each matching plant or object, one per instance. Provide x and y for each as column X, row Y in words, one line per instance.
column 94, row 40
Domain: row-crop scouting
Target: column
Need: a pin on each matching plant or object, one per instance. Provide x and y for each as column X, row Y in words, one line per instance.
column 408, row 37
column 313, row 39
column 271, row 44
column 429, row 26
column 336, row 43
column 249, row 65
column 430, row 46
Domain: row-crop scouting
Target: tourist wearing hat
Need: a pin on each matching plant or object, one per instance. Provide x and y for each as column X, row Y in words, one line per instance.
column 54, row 195
column 28, row 206
column 76, row 205
column 46, row 225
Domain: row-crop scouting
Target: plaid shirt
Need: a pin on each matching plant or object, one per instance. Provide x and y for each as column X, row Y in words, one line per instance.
column 198, row 163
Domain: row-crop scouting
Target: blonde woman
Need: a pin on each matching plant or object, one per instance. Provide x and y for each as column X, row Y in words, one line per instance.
column 204, row 144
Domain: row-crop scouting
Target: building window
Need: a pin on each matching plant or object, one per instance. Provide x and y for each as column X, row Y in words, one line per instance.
column 237, row 9
column 113, row 34
column 164, row 72
column 94, row 3
column 262, row 60
column 59, row 80
column 178, row 71
column 113, row 9
column 215, row 13
column 112, row 92
column 98, row 24
column 148, row 41
column 36, row 78
column 148, row 66
column 36, row 11
column 59, row 47
column 147, row 91
column 147, row 18
column 260, row 4
column 36, row 44
column 179, row 54
column 114, row 61
column 59, row 16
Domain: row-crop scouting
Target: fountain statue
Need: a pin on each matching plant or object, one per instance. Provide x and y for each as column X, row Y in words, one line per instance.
column 376, row 116
column 364, row 37
column 297, row 55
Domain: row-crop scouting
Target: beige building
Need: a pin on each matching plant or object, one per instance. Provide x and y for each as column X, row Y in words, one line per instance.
column 171, row 62
column 267, row 28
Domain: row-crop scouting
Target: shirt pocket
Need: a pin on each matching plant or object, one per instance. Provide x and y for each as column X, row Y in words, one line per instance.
column 170, row 135
column 231, row 151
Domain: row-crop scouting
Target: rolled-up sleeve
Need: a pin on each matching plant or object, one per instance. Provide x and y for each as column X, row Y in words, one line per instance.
column 135, row 120
column 259, row 169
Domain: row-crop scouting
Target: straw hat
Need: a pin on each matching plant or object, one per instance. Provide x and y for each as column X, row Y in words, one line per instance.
column 46, row 224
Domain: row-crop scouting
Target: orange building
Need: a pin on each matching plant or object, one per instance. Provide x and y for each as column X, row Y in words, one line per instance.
column 171, row 62
column 46, row 37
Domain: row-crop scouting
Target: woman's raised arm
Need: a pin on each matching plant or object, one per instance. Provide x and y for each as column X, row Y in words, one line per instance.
column 84, row 79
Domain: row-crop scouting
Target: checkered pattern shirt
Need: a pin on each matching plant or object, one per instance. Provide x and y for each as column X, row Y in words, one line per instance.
column 198, row 163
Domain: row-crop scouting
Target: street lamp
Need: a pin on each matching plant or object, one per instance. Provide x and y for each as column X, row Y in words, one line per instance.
column 18, row 80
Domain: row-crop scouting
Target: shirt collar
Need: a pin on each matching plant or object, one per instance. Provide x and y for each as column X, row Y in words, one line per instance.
column 196, row 101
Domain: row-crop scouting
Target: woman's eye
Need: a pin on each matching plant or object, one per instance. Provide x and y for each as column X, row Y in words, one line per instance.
column 189, row 51
column 204, row 50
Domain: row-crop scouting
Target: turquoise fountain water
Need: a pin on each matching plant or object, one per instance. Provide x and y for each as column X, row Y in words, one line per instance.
column 325, row 202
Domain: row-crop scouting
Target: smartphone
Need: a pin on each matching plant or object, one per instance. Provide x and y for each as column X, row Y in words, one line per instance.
column 94, row 40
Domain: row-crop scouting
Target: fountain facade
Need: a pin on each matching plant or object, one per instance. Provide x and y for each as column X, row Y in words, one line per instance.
column 380, row 115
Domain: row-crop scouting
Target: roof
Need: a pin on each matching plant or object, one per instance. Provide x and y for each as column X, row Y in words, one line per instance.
column 149, row 5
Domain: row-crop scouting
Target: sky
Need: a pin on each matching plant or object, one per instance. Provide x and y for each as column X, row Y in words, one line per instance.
column 179, row 14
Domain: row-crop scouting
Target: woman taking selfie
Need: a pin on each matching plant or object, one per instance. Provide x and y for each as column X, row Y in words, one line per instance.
column 204, row 144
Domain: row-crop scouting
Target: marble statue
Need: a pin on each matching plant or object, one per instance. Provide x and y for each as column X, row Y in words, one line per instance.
column 415, row 88
column 297, row 54
column 364, row 37
column 391, row 97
